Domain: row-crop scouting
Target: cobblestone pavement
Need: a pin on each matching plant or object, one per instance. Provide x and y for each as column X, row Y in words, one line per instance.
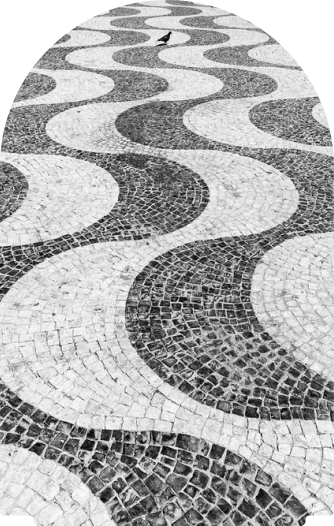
column 166, row 321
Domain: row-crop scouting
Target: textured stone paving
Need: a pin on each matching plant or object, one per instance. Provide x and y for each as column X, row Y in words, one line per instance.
column 166, row 316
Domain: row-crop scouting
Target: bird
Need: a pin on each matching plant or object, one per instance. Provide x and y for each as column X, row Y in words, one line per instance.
column 164, row 39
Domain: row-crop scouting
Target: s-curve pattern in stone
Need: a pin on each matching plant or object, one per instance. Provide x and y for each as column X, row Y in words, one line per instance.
column 166, row 280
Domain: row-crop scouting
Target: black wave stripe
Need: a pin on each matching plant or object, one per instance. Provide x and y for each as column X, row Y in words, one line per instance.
column 291, row 120
column 35, row 85
column 184, row 3
column 151, row 477
column 135, row 22
column 143, row 57
column 122, row 11
column 134, row 85
column 240, row 83
column 205, row 22
column 183, row 10
column 203, row 38
column 123, row 38
column 238, row 56
column 190, row 4
column 174, row 9
column 13, row 189
column 189, row 314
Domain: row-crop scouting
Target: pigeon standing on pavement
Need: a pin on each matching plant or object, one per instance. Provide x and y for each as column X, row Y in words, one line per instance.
column 164, row 39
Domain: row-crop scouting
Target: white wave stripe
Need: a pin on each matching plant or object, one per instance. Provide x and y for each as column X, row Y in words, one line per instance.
column 236, row 206
column 43, row 489
column 206, row 10
column 274, row 54
column 168, row 22
column 64, row 196
column 155, row 3
column 233, row 21
column 80, row 38
column 293, row 298
column 72, row 86
column 103, row 22
column 100, row 22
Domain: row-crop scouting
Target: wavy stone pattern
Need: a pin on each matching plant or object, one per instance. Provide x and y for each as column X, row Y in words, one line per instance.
column 151, row 477
column 165, row 284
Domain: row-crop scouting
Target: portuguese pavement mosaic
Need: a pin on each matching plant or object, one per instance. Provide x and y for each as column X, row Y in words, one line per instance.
column 166, row 316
